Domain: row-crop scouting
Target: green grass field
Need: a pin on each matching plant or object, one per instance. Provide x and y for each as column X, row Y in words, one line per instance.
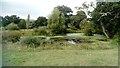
column 61, row 53
column 61, row 58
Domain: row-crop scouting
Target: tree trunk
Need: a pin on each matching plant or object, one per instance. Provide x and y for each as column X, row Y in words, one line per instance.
column 103, row 28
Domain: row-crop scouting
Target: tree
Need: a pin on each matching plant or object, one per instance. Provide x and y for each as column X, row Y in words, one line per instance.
column 76, row 19
column 87, row 27
column 9, row 19
column 56, row 22
column 22, row 24
column 67, row 13
column 65, row 10
column 106, row 17
column 5, row 21
column 28, row 21
column 41, row 21
column 15, row 19
column 87, row 7
column 1, row 21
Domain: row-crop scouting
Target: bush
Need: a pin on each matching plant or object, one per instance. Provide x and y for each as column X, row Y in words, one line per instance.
column 40, row 31
column 2, row 28
column 57, row 30
column 32, row 41
column 12, row 26
column 88, row 32
column 22, row 24
column 69, row 30
column 11, row 36
column 87, row 27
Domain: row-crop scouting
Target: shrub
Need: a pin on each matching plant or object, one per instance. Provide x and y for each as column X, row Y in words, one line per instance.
column 27, row 32
column 87, row 27
column 32, row 41
column 11, row 36
column 2, row 28
column 22, row 24
column 88, row 32
column 40, row 31
column 69, row 30
column 12, row 26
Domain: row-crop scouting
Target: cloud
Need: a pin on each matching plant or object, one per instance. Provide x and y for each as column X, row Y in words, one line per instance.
column 35, row 7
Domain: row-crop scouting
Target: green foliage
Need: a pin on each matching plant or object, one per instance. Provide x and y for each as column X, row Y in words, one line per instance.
column 28, row 21
column 69, row 30
column 95, row 46
column 41, row 21
column 87, row 7
column 65, row 10
column 22, row 24
column 87, row 27
column 11, row 36
column 12, row 26
column 76, row 19
column 32, row 41
column 114, row 42
column 88, row 32
column 9, row 19
column 1, row 21
column 2, row 28
column 107, row 13
column 26, row 32
column 56, row 22
column 67, row 13
column 40, row 31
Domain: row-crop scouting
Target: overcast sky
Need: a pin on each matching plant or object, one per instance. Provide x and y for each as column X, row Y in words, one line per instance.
column 35, row 7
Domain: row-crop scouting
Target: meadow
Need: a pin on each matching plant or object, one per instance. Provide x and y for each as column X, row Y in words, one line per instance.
column 87, row 51
column 62, row 38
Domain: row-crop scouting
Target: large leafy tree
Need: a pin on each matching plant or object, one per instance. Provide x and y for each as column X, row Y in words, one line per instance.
column 76, row 19
column 41, row 21
column 86, row 26
column 67, row 11
column 22, row 24
column 10, row 19
column 106, row 17
column 87, row 7
column 56, row 22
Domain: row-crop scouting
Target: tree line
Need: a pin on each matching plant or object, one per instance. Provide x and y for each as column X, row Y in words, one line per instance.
column 105, row 20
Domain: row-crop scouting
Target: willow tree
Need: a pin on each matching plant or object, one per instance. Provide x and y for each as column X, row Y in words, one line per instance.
column 56, row 22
